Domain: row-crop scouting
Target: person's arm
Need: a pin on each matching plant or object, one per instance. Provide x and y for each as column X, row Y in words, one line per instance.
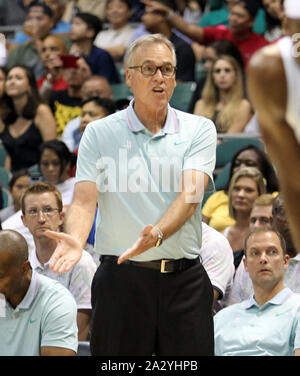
column 83, row 323
column 297, row 352
column 45, row 122
column 216, row 296
column 267, row 89
column 191, row 30
column 78, row 223
column 242, row 116
column 193, row 186
column 116, row 52
column 56, row 351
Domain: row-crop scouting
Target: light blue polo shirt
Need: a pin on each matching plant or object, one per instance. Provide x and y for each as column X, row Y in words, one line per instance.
column 45, row 317
column 246, row 329
column 138, row 174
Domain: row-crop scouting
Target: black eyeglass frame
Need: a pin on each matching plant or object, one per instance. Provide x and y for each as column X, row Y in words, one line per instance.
column 156, row 68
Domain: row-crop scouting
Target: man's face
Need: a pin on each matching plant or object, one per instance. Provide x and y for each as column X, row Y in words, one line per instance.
column 90, row 112
column 51, row 49
column 261, row 216
column 38, row 224
column 96, row 88
column 152, row 20
column 75, row 77
column 239, row 19
column 41, row 21
column 117, row 13
column 265, row 261
column 154, row 91
column 80, row 31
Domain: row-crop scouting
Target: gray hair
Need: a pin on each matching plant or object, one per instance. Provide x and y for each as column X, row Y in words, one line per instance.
column 146, row 40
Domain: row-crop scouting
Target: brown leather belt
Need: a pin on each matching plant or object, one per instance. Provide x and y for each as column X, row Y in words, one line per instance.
column 164, row 266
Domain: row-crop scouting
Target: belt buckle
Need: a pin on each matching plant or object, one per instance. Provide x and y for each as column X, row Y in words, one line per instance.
column 163, row 265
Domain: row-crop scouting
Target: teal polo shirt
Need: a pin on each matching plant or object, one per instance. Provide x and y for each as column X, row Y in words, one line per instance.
column 45, row 317
column 138, row 177
column 246, row 329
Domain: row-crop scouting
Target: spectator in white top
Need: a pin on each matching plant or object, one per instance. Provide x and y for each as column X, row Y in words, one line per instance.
column 217, row 259
column 118, row 36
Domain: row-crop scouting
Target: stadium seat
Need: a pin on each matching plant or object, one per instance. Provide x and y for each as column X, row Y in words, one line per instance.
column 121, row 91
column 3, row 154
column 222, row 178
column 182, row 95
column 5, row 176
column 7, row 198
column 229, row 147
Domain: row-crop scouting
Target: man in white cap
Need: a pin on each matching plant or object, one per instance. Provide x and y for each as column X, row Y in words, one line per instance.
column 274, row 87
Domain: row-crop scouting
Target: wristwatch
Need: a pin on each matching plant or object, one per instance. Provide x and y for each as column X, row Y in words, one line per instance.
column 160, row 237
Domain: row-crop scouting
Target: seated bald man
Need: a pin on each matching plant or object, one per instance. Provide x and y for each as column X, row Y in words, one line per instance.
column 37, row 314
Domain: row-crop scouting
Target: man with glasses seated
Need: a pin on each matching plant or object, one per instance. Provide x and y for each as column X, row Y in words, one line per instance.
column 42, row 210
column 148, row 167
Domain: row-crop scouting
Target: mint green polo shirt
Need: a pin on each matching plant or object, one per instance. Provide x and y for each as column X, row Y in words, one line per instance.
column 246, row 329
column 137, row 175
column 45, row 317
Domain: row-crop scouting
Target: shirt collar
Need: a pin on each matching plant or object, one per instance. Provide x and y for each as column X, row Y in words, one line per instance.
column 31, row 292
column 34, row 261
column 135, row 125
column 296, row 258
column 278, row 299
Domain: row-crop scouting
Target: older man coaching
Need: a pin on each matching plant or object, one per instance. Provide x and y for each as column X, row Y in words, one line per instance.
column 148, row 167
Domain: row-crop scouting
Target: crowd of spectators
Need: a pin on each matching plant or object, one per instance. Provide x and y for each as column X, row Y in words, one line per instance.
column 63, row 68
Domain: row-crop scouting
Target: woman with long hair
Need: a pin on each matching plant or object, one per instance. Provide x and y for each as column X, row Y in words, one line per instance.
column 223, row 99
column 25, row 121
column 245, row 186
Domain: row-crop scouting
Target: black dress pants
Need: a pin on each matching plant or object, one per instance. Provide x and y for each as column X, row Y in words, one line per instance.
column 139, row 311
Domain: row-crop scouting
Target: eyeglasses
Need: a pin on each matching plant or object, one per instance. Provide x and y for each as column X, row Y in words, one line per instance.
column 150, row 69
column 47, row 211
